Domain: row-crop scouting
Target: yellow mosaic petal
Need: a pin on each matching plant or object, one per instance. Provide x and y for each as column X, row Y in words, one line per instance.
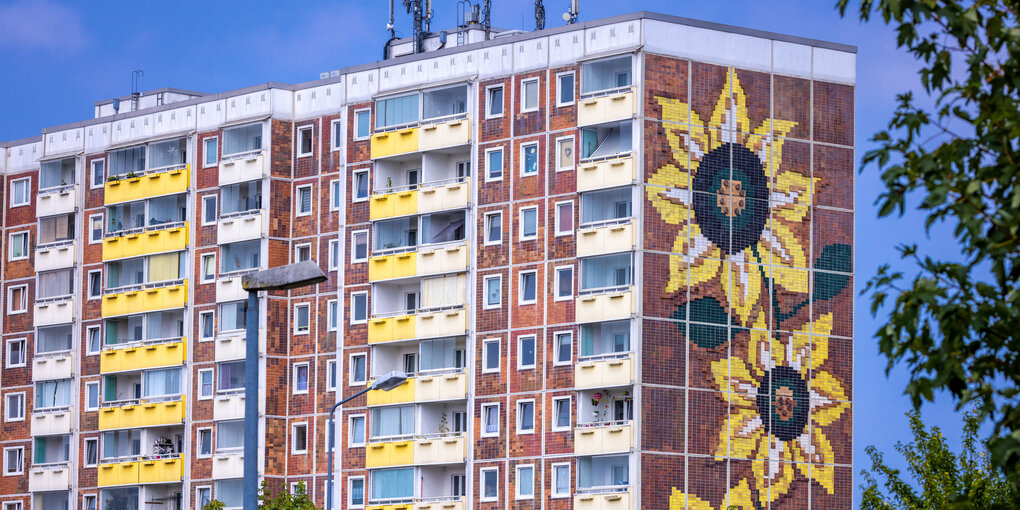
column 793, row 280
column 679, row 500
column 825, row 385
column 786, row 249
column 705, row 269
column 780, row 485
column 677, row 274
column 739, row 497
column 788, row 182
column 744, row 286
column 662, row 182
column 744, row 434
column 759, row 338
column 780, row 128
column 824, row 474
column 820, row 330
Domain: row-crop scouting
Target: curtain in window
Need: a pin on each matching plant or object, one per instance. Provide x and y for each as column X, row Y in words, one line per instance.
column 168, row 153
column 125, row 272
column 127, row 160
column 242, row 139
column 162, row 382
column 358, row 491
column 241, row 197
column 233, row 316
column 393, row 483
column 229, row 434
column 491, row 419
column 605, row 271
column 393, row 421
column 438, row 354
column 56, row 228
column 54, row 339
column 54, row 283
column 443, row 291
column 56, row 173
column 52, row 394
column 231, row 375
column 165, row 267
column 449, row 101
column 166, row 209
column 526, row 481
column 605, row 74
column 396, row 111
column 240, row 256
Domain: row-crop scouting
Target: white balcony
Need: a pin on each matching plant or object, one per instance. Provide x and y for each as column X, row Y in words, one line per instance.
column 227, row 465
column 55, row 201
column 58, row 311
column 243, row 167
column 603, row 306
column 242, row 227
column 229, row 289
column 229, row 406
column 49, row 477
column 55, row 255
column 53, row 366
column 51, row 423
column 233, row 346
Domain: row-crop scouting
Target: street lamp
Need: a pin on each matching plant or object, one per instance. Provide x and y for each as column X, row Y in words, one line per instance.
column 385, row 383
column 291, row 276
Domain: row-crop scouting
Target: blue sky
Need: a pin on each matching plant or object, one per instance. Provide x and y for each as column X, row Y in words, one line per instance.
column 57, row 58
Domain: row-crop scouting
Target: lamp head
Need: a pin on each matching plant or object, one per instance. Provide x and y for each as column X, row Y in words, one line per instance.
column 389, row 381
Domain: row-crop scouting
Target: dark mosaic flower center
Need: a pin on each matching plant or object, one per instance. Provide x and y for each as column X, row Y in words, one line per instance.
column 731, row 197
column 783, row 403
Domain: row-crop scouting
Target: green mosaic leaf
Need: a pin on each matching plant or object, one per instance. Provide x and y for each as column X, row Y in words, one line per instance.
column 834, row 257
column 708, row 310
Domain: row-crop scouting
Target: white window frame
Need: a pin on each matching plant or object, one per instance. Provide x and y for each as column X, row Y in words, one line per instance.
column 502, row 168
column 102, row 230
column 335, row 195
column 99, row 396
column 556, row 347
column 198, row 443
column 354, row 186
column 520, row 287
column 297, row 200
column 552, row 490
column 10, row 240
column 559, row 162
column 24, row 353
column 335, row 127
column 556, row 283
column 485, row 344
column 205, row 152
column 524, row 96
column 88, row 334
column 90, row 497
column 556, row 218
column 85, row 450
column 202, row 265
column 24, row 295
column 21, row 467
column 534, row 338
column 7, row 401
column 297, row 327
column 520, row 219
column 331, row 368
column 201, row 314
column 299, row 247
column 367, row 313
column 311, row 139
column 517, row 483
column 94, row 294
column 293, row 438
column 553, row 421
column 488, row 104
column 354, row 131
column 13, row 505
column 350, row 492
column 198, row 492
column 485, row 227
column 534, row 416
column 332, row 315
column 351, row 440
column 481, row 484
column 308, row 377
column 521, row 162
column 206, row 198
column 482, row 432
column 28, row 192
column 354, row 244
column 350, row 372
column 199, row 377
column 559, row 85
column 485, row 291
column 92, row 174
column 333, row 254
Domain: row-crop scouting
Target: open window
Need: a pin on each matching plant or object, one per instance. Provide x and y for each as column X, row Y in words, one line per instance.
column 607, row 74
column 606, row 140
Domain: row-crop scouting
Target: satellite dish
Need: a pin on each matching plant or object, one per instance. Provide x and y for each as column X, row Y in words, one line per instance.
column 566, row 16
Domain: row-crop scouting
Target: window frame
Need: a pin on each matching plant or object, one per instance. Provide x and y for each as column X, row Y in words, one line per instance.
column 332, row 315
column 21, row 465
column 92, row 174
column 354, row 135
column 99, row 396
column 85, row 450
column 298, row 213
column 27, row 245
column 293, row 438
column 88, row 334
column 331, row 369
column 520, row 350
column 24, row 353
column 354, row 246
column 350, row 372
column 520, row 287
column 556, row 284
column 485, row 291
column 198, row 493
column 517, row 419
column 485, row 343
column 200, row 373
column 24, row 299
column 482, row 408
column 297, row 251
column 204, row 278
column 296, row 390
column 92, row 292
column 350, row 492
column 481, row 485
column 488, row 102
column 556, row 218
column 201, row 331
column 205, row 152
column 522, row 163
column 552, row 490
column 298, row 330
column 524, row 95
column 517, row 485
column 102, row 229
column 554, row 427
column 354, row 186
column 205, row 199
column 335, row 195
column 351, row 443
column 559, row 161
column 502, row 164
column 351, row 318
column 28, row 192
column 7, row 401
column 485, row 226
column 198, row 443
column 333, row 255
column 521, row 236
column 556, row 347
column 559, row 88
column 299, row 141
column 335, row 129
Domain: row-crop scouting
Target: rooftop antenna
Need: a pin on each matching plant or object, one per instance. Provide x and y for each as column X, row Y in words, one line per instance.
column 571, row 15
column 539, row 15
column 393, row 33
column 136, row 76
column 421, row 11
column 486, row 19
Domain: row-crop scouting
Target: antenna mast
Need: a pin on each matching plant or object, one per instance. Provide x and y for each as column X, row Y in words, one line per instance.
column 571, row 15
column 486, row 20
column 421, row 11
column 539, row 15
column 136, row 94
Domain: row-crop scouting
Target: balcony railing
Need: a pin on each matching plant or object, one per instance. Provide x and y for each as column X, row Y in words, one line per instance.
column 140, row 343
column 421, row 185
column 132, row 174
column 143, row 286
column 147, row 228
column 604, row 290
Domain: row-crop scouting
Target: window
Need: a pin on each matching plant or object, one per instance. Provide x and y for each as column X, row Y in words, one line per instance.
column 304, row 141
column 564, row 154
column 302, row 252
column 605, row 271
column 525, row 481
column 529, row 95
column 206, row 388
column 526, row 351
column 358, row 369
column 493, row 291
column 92, row 396
column 605, row 205
column 529, row 223
column 493, row 164
column 493, row 228
column 564, row 347
column 20, row 192
column 14, row 406
column 208, row 263
column 396, row 111
column 392, row 421
column 17, row 299
column 525, row 416
column 206, row 322
column 356, row 437
column 19, row 246
column 209, row 209
column 95, row 228
column 611, row 73
column 490, row 355
column 16, row 353
column 98, row 174
column 210, row 150
column 233, row 316
column 360, row 185
column 205, row 442
column 92, row 452
column 231, row 376
column 529, row 159
column 13, row 505
column 561, row 413
column 395, row 484
column 362, row 124
column 564, row 283
column 490, row 420
column 335, row 195
column 565, row 89
column 490, row 484
column 304, row 200
column 299, row 438
column 240, row 256
column 561, row 480
column 606, row 140
column 601, row 338
column 332, row 315
column 57, row 173
column 331, row 375
column 564, row 218
column 203, row 495
column 338, row 134
column 359, row 307
column 14, row 460
column 93, row 340
column 300, row 378
column 494, row 102
column 230, row 492
column 240, row 139
column 356, row 492
column 528, row 287
column 359, row 246
column 95, row 284
column 334, row 254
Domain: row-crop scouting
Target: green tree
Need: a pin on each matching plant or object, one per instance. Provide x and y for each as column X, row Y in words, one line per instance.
column 214, row 505
column 941, row 478
column 955, row 323
column 285, row 500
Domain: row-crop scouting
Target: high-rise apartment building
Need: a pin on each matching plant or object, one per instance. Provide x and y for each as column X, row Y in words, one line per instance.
column 614, row 257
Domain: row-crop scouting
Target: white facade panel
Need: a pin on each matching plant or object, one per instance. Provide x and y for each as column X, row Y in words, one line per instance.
column 710, row 46
column 247, row 106
column 51, row 423
column 244, row 228
column 174, row 121
column 64, row 142
column 832, row 65
column 282, row 103
column 566, row 48
column 55, row 257
column 612, row 37
column 47, row 367
column 791, row 59
column 362, row 86
column 131, row 130
column 495, row 61
column 56, row 202
column 97, row 138
column 318, row 100
column 211, row 115
column 54, row 312
column 532, row 54
column 25, row 157
column 53, row 477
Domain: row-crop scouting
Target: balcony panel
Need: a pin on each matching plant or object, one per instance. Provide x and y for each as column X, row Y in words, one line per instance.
column 396, row 453
column 605, row 239
column 49, row 478
column 241, row 228
column 440, row 387
column 228, row 407
column 403, row 394
column 142, row 356
column 455, row 195
column 146, row 243
column 604, row 373
column 391, row 143
column 440, row 323
column 233, row 346
column 57, row 202
column 451, row 258
column 604, row 501
column 161, row 471
column 47, row 367
column 55, row 257
column 51, row 423
column 398, row 265
column 391, row 205
column 145, row 300
column 227, row 465
column 230, row 289
column 118, row 473
column 248, row 167
column 450, row 133
column 615, row 438
column 608, row 108
column 450, row 503
column 440, row 450
column 607, row 173
column 54, row 312
column 607, row 306
column 142, row 415
column 148, row 185
column 389, row 329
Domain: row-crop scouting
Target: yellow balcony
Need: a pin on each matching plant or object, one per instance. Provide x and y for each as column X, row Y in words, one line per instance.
column 418, row 451
column 602, row 239
column 118, row 473
column 145, row 300
column 445, row 133
column 402, row 394
column 397, row 265
column 388, row 329
column 145, row 243
column 423, row 388
column 141, row 472
column 145, row 414
column 606, row 173
column 390, row 205
column 593, row 110
column 606, row 306
column 426, row 324
column 396, row 453
column 391, row 143
column 427, row 260
column 603, row 501
column 448, row 503
column 153, row 184
column 603, row 373
column 594, row 439
column 142, row 356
